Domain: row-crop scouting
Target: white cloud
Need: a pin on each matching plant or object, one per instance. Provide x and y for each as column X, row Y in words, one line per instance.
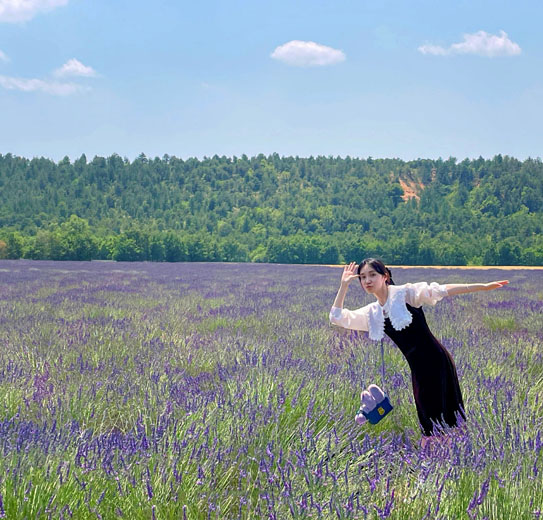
column 307, row 54
column 486, row 44
column 480, row 43
column 3, row 57
column 74, row 67
column 39, row 85
column 23, row 10
column 436, row 50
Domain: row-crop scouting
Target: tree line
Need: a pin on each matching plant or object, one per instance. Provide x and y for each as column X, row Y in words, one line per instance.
column 273, row 209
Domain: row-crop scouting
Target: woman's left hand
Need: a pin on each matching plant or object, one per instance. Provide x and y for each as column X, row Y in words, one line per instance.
column 494, row 285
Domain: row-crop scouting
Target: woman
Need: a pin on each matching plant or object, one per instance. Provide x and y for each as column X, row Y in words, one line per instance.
column 398, row 314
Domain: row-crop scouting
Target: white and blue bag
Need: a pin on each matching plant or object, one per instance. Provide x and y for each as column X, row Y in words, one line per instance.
column 375, row 403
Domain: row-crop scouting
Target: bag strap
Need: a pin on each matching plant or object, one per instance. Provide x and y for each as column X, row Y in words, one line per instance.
column 382, row 363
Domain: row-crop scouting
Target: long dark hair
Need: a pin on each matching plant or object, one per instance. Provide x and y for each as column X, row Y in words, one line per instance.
column 379, row 267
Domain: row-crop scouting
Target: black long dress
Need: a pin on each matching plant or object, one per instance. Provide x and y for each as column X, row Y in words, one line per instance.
column 435, row 383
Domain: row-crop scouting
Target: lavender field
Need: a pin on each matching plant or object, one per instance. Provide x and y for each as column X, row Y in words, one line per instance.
column 196, row 391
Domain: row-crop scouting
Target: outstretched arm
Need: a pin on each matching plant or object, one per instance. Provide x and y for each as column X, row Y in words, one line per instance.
column 463, row 288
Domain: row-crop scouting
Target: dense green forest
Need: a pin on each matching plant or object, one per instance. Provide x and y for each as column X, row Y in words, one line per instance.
column 273, row 209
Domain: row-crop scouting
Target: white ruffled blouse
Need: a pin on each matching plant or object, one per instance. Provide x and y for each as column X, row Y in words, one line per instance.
column 372, row 317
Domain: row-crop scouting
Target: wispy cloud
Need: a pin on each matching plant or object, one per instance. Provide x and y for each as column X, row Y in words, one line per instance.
column 74, row 67
column 3, row 57
column 23, row 10
column 56, row 88
column 480, row 43
column 307, row 54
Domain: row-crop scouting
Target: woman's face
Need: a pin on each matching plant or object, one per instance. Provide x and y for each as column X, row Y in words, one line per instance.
column 371, row 280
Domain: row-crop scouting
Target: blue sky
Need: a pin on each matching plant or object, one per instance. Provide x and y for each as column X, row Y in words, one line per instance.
column 362, row 78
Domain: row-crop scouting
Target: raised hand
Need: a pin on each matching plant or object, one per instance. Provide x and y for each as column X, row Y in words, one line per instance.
column 349, row 273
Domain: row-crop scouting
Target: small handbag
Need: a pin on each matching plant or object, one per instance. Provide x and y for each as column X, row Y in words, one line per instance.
column 375, row 403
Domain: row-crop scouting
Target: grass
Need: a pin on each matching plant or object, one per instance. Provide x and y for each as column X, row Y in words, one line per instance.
column 497, row 323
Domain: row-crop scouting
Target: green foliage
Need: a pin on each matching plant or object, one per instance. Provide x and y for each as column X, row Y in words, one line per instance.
column 273, row 209
column 497, row 323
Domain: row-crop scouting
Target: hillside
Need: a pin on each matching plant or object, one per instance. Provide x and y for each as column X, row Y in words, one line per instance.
column 272, row 208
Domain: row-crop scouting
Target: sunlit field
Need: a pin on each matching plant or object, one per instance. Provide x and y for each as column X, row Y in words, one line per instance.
column 196, row 391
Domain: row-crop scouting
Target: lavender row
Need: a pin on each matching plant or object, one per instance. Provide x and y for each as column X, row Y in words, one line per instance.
column 220, row 391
